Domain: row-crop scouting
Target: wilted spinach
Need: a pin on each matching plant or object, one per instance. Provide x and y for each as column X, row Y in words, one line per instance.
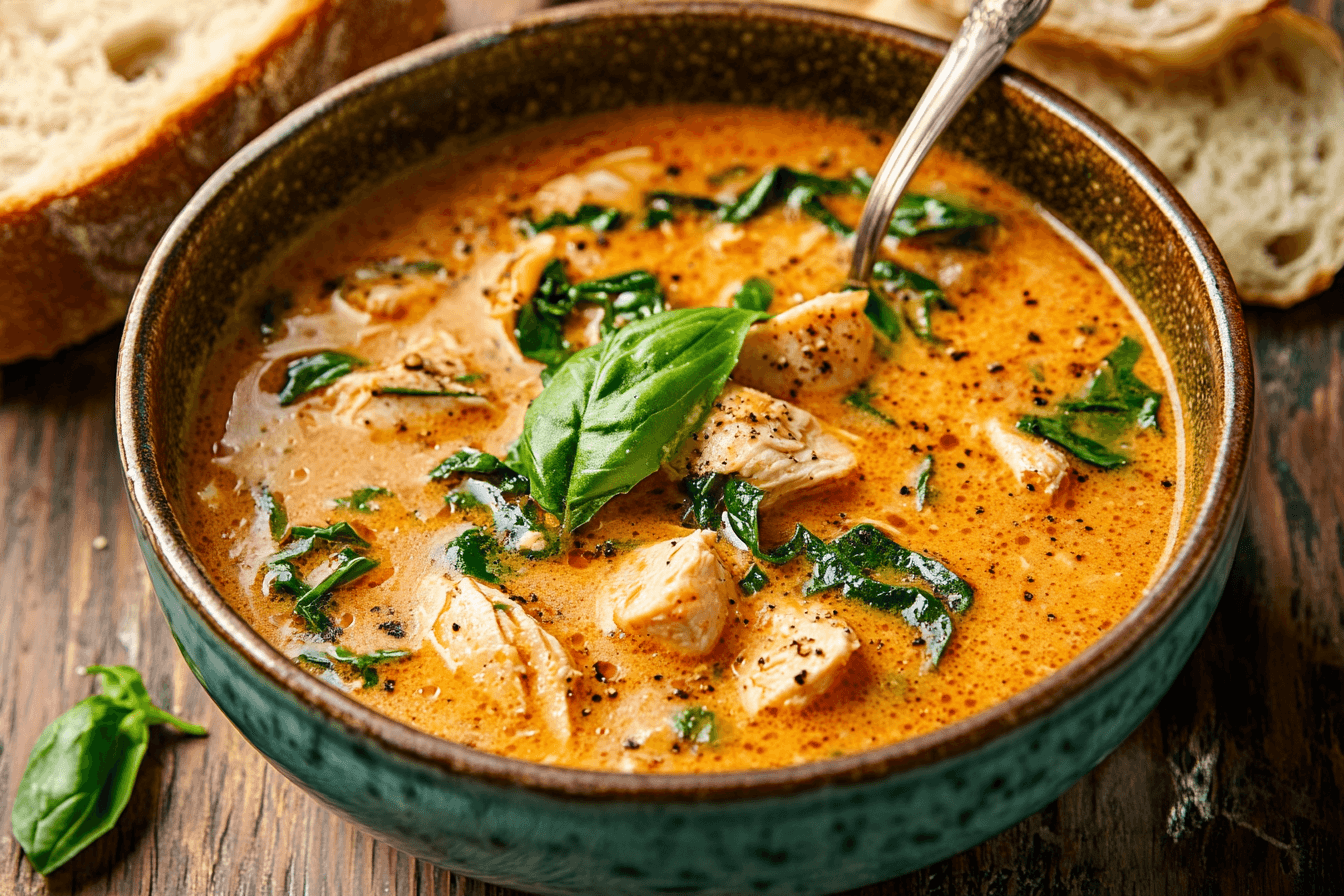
column 469, row 461
column 755, row 295
column 361, row 499
column 303, row 375
column 361, row 664
column 862, row 399
column 594, row 217
column 695, row 724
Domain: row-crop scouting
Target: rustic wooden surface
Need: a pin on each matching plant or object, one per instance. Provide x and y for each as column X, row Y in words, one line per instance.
column 1235, row 784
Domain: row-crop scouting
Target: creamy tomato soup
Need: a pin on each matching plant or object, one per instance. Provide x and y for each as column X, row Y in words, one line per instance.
column 578, row 447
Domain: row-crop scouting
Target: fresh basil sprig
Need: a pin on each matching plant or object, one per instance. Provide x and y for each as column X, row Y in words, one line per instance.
column 303, row 375
column 616, row 410
column 848, row 562
column 81, row 771
column 1115, row 400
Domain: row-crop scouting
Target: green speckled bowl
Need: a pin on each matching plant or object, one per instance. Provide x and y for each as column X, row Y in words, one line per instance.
column 820, row 827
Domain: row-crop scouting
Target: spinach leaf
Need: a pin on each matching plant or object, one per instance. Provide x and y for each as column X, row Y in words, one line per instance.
column 82, row 769
column 595, row 217
column 519, row 525
column 884, row 317
column 917, row 215
column 862, row 399
column 695, row 724
column 1115, row 399
column 616, row 410
column 704, row 498
column 361, row 499
column 796, row 189
column 361, row 664
column 843, row 564
column 305, row 374
column 902, row 285
column 349, row 566
column 730, row 173
column 472, row 462
column 923, row 473
column 335, row 532
column 540, row 324
column 754, row 580
column 475, row 554
column 755, row 295
column 1060, row 431
column 663, row 206
column 270, row 507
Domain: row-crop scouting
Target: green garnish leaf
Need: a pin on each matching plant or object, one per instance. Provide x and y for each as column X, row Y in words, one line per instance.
column 594, row 217
column 425, row 393
column 754, row 580
column 349, row 566
column 755, row 295
column 335, row 532
column 862, row 399
column 695, row 724
column 517, row 524
column 917, row 215
column 475, row 554
column 274, row 511
column 1115, row 400
column 923, row 473
column 616, row 410
column 847, row 564
column 917, row 293
column 361, row 664
column 471, row 462
column 731, row 173
column 396, row 267
column 83, row 767
column 361, row 499
column 704, row 498
column 303, row 375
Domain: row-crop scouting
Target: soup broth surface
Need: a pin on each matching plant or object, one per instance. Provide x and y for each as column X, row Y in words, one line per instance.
column 423, row 282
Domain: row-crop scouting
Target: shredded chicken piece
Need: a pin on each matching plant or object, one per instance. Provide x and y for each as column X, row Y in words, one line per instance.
column 478, row 629
column 430, row 364
column 1034, row 462
column 675, row 592
column 823, row 343
column 776, row 446
column 798, row 656
column 616, row 179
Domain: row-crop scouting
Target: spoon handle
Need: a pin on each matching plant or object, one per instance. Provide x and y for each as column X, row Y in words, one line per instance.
column 990, row 28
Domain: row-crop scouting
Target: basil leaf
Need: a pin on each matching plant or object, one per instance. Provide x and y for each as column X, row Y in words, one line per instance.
column 80, row 774
column 868, row 548
column 695, row 724
column 1060, row 431
column 472, row 462
column 899, row 283
column 917, row 215
column 755, row 295
column 362, row 498
column 862, row 399
column 475, row 554
column 754, row 580
column 924, row 473
column 349, row 567
column 303, row 375
column 274, row 512
column 615, row 411
column 594, row 217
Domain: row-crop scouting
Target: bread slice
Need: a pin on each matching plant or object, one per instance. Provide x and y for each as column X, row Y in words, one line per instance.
column 112, row 112
column 1168, row 32
column 1254, row 141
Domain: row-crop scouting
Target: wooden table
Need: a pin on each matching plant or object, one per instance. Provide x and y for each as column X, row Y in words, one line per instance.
column 1235, row 784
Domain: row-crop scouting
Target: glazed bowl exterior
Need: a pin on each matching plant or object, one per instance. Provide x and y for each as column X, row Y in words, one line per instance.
column 819, row 827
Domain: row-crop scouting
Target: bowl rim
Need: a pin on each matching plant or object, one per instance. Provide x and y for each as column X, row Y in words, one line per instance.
column 1163, row 599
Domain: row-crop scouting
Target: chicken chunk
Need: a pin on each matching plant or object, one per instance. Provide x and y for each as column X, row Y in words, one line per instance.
column 1034, row 462
column 615, row 179
column 676, row 593
column 823, row 343
column 776, row 446
column 480, row 631
column 424, row 379
column 799, row 654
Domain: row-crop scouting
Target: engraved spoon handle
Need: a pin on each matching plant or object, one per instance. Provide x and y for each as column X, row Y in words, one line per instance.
column 990, row 28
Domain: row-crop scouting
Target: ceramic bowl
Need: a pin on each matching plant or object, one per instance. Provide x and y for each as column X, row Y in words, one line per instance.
column 818, row 827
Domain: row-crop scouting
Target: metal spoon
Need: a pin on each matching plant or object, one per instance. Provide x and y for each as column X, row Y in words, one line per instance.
column 990, row 28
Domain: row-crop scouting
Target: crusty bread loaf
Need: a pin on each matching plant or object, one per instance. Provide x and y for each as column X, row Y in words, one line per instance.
column 112, row 112
column 1181, row 32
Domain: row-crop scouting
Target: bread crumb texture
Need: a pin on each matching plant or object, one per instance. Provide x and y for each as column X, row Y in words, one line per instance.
column 112, row 112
